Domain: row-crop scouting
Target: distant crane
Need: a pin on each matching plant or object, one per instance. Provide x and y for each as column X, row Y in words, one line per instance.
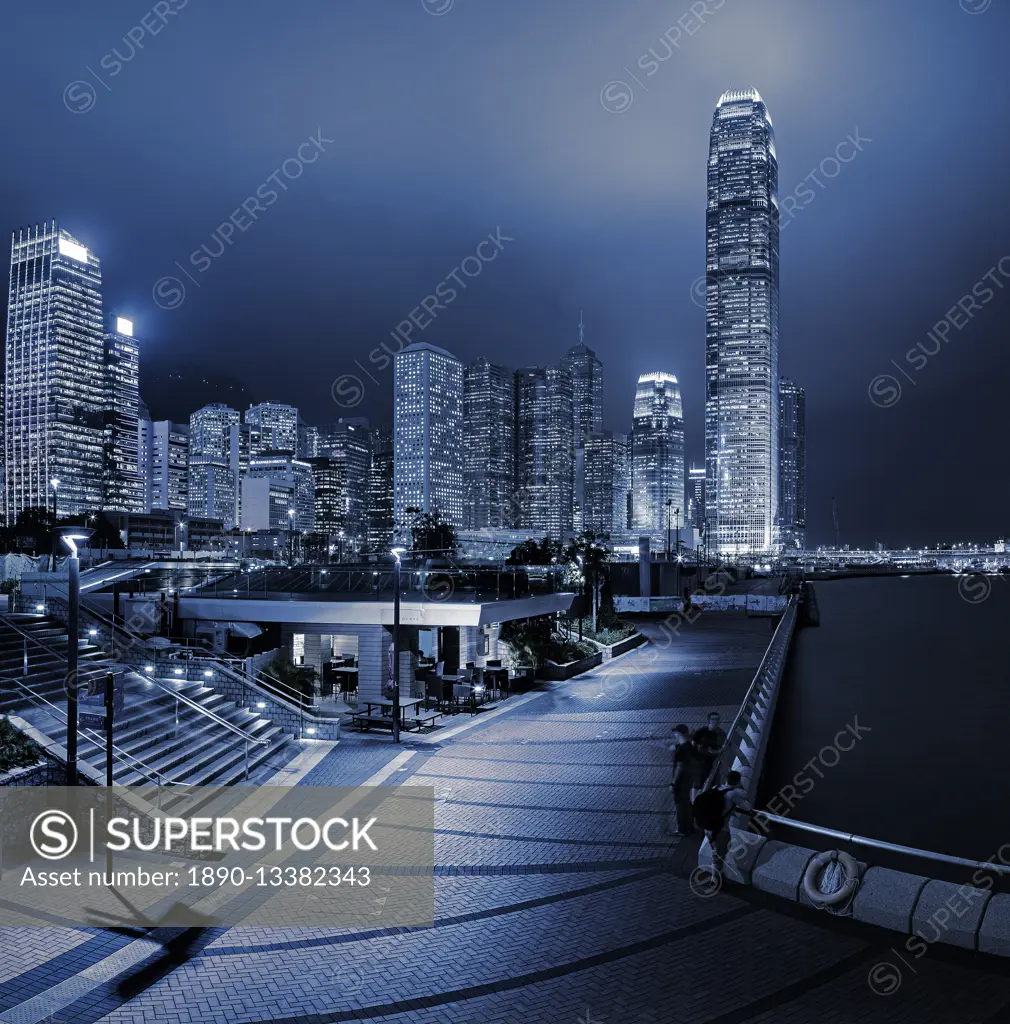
column 834, row 520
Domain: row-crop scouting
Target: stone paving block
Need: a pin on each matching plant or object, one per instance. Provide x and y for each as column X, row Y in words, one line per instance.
column 949, row 913
column 994, row 934
column 779, row 868
column 744, row 849
column 887, row 898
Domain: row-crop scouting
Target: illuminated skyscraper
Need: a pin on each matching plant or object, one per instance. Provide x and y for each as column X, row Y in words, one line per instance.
column 427, row 435
column 793, row 484
column 346, row 445
column 273, row 427
column 268, row 478
column 657, row 460
column 696, row 497
column 489, row 434
column 124, row 486
column 55, row 392
column 545, row 455
column 742, row 327
column 608, row 482
column 164, row 458
column 214, row 460
column 586, row 372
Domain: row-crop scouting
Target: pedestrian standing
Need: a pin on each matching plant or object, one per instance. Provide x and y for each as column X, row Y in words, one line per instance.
column 708, row 741
column 685, row 770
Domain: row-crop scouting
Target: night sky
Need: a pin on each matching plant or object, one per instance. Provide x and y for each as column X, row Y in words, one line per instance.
column 435, row 130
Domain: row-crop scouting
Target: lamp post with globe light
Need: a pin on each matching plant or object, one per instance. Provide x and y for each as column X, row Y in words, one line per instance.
column 397, row 553
column 70, row 535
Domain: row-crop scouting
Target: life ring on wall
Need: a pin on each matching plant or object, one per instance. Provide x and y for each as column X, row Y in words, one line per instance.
column 813, row 873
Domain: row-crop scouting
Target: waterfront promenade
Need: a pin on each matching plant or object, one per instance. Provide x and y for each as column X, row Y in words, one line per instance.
column 559, row 897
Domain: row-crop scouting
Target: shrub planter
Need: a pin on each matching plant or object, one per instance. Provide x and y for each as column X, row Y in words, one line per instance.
column 554, row 672
column 45, row 773
column 623, row 646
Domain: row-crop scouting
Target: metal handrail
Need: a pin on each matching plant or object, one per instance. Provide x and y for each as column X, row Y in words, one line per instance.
column 130, row 760
column 880, row 844
column 204, row 711
column 756, row 694
column 167, row 689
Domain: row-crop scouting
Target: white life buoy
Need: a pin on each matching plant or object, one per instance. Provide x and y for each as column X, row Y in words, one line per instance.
column 813, row 873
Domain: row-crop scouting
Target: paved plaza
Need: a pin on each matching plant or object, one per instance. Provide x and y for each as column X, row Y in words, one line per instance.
column 559, row 895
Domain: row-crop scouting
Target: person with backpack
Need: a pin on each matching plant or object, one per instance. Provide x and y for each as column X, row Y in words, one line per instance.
column 714, row 810
column 709, row 741
column 685, row 769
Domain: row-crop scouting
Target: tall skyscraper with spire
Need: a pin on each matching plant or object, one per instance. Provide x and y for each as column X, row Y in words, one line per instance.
column 742, row 328
column 586, row 373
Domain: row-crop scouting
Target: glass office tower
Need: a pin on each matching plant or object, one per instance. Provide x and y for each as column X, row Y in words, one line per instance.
column 54, row 369
column 273, row 427
column 125, row 487
column 793, row 484
column 489, row 434
column 427, row 435
column 657, row 454
column 608, row 482
column 545, row 456
column 742, row 332
column 214, row 464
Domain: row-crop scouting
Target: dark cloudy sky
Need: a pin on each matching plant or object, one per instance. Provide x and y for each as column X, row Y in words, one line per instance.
column 492, row 117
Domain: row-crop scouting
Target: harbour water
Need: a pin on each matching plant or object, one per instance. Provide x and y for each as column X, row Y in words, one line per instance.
column 894, row 714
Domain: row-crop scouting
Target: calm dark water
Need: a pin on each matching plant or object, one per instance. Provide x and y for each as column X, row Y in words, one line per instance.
column 927, row 673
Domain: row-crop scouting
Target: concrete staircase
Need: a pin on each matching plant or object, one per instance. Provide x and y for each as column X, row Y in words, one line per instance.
column 170, row 731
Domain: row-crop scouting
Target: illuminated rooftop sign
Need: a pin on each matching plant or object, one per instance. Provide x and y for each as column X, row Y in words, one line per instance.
column 124, row 327
column 73, row 250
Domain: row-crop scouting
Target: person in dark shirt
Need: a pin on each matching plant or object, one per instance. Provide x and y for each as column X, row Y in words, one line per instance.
column 685, row 772
column 708, row 741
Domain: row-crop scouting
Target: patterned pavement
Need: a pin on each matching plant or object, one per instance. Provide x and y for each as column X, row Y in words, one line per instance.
column 559, row 896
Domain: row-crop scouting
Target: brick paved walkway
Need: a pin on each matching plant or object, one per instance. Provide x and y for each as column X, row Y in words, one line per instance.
column 559, row 897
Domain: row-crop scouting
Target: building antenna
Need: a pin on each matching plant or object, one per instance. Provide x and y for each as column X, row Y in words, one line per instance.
column 582, row 330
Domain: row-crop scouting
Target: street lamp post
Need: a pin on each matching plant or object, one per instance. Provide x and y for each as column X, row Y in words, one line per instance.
column 70, row 536
column 54, row 483
column 397, row 552
column 676, row 512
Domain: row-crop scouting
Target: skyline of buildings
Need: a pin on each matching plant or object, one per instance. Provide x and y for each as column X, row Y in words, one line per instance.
column 487, row 447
